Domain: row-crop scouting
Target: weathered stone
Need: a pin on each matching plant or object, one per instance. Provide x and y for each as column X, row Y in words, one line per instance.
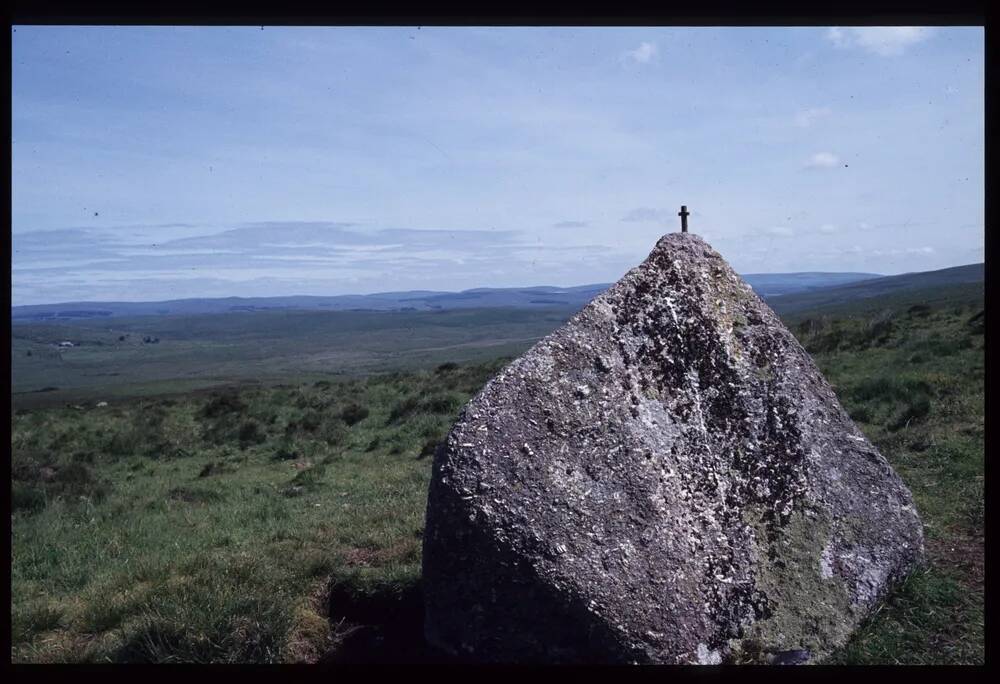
column 665, row 479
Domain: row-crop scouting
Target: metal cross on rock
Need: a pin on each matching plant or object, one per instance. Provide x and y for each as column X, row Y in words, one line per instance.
column 683, row 213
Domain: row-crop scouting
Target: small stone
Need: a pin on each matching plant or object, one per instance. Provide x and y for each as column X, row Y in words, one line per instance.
column 706, row 656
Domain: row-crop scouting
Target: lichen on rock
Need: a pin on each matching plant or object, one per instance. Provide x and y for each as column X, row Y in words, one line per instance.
column 667, row 478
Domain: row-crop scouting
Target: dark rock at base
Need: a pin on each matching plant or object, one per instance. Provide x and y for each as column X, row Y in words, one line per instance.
column 665, row 479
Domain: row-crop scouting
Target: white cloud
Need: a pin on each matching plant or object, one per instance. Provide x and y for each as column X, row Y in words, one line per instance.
column 644, row 54
column 837, row 36
column 822, row 160
column 828, row 229
column 805, row 118
column 886, row 41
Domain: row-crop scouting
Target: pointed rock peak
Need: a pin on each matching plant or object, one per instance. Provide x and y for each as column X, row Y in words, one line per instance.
column 667, row 478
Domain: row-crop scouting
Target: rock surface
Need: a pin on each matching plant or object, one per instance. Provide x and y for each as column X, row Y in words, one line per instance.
column 665, row 479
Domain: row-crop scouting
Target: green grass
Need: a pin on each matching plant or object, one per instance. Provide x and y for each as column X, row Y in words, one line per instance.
column 913, row 379
column 258, row 523
column 166, row 530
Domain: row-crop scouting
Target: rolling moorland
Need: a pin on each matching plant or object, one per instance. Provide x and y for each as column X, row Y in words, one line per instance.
column 265, row 502
column 121, row 349
column 152, row 355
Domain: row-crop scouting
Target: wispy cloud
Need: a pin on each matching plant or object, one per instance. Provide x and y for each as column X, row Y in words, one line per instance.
column 647, row 215
column 570, row 224
column 822, row 160
column 293, row 257
column 780, row 231
column 886, row 41
column 898, row 251
column 644, row 54
column 808, row 117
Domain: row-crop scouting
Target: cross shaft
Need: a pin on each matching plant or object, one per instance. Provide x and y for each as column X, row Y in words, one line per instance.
column 683, row 213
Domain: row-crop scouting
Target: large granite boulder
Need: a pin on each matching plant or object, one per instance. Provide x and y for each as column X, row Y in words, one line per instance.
column 667, row 478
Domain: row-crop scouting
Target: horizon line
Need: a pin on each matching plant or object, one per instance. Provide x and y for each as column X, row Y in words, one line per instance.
column 446, row 292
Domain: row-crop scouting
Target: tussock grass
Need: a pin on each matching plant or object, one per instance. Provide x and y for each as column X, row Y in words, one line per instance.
column 913, row 380
column 208, row 528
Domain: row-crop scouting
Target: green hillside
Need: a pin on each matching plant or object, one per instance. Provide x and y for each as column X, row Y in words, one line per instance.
column 959, row 284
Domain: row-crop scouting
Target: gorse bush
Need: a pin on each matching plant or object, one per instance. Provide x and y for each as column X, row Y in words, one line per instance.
column 435, row 403
column 311, row 421
column 310, row 478
column 887, row 388
column 222, row 404
column 877, row 332
column 353, row 413
column 250, row 433
column 284, row 454
column 977, row 323
column 403, row 408
column 442, row 403
column 333, row 432
column 127, row 440
column 32, row 619
column 196, row 495
column 974, row 509
column 26, row 497
column 429, row 447
column 915, row 408
column 894, row 401
column 222, row 430
column 36, row 481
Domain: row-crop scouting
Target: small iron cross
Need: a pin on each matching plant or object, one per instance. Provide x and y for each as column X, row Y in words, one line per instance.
column 683, row 213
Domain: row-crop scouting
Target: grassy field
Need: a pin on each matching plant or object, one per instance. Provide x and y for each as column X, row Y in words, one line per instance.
column 112, row 359
column 283, row 523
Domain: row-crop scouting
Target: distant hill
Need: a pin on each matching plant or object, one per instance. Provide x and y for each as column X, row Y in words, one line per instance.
column 766, row 284
column 769, row 285
column 908, row 288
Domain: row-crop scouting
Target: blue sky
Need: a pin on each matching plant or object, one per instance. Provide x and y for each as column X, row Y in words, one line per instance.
column 159, row 162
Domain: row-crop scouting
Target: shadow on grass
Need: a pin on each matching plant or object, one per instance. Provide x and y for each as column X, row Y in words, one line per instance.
column 383, row 624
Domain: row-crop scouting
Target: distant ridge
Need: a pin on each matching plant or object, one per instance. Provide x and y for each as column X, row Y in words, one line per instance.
column 415, row 300
column 913, row 287
column 776, row 284
column 766, row 284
